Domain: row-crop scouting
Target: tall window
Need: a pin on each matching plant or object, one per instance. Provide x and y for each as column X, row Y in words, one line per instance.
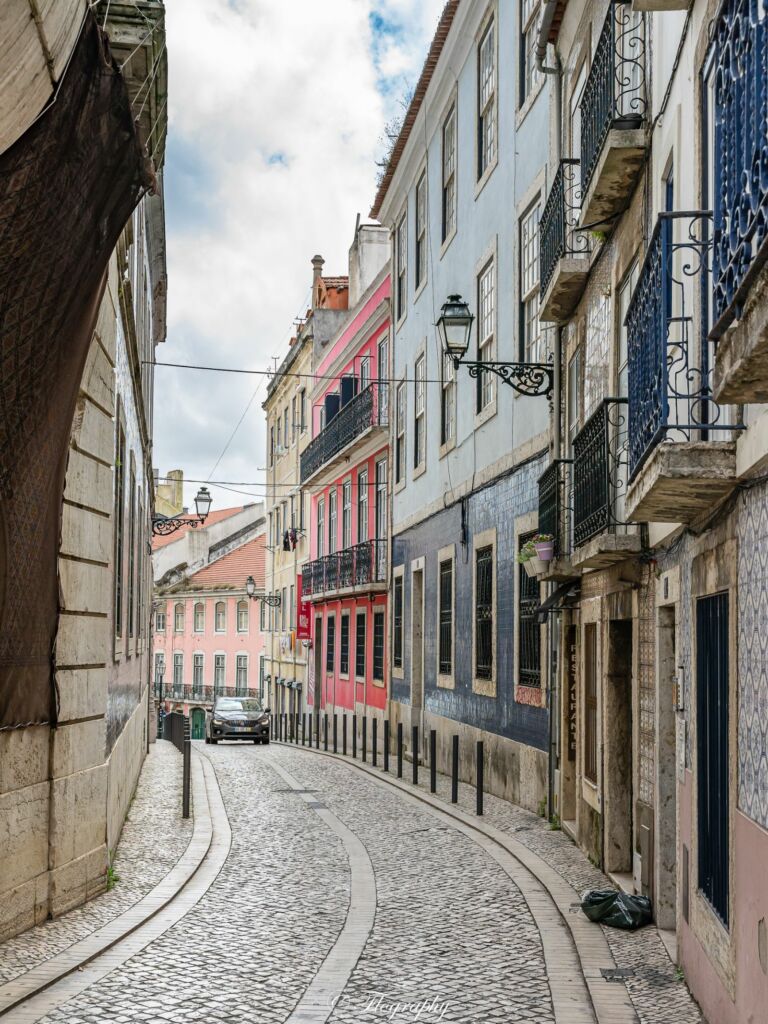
column 241, row 673
column 159, row 665
column 419, row 425
column 160, row 620
column 344, row 645
column 292, row 607
column 449, row 176
column 486, row 332
column 378, row 646
column 220, row 617
column 346, row 514
column 590, row 702
column 486, row 95
column 242, row 616
column 484, row 612
column 132, row 551
column 332, row 535
column 321, row 527
column 199, row 617
column 365, row 372
column 446, row 617
column 286, row 427
column 397, row 624
column 303, row 410
column 531, row 337
column 178, row 618
column 448, row 401
column 381, row 519
column 421, row 229
column 400, row 433
column 401, row 258
column 284, row 609
column 178, row 670
column 383, row 373
column 529, row 73
column 362, row 506
column 219, row 667
column 119, row 523
column 272, row 444
column 528, row 629
column 294, row 424
column 360, row 637
column 197, row 672
column 330, row 643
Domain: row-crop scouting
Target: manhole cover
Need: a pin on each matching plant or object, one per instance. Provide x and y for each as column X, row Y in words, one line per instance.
column 616, row 973
column 315, row 804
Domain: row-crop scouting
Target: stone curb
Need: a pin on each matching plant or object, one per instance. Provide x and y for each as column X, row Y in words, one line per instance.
column 85, row 950
column 610, row 1000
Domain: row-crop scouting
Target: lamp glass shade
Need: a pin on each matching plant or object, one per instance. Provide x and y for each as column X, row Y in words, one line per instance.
column 203, row 502
column 250, row 586
column 454, row 326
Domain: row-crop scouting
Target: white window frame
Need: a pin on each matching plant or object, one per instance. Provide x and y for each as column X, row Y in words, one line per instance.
column 333, row 520
column 532, row 335
column 449, row 203
column 199, row 605
column 447, row 404
column 421, row 221
column 420, row 414
column 178, row 662
column 241, row 659
column 242, row 608
column 401, row 453
column 486, row 335
column 530, row 76
column 401, row 268
column 363, row 506
column 179, row 608
column 216, row 627
column 320, row 538
column 346, row 513
column 198, row 659
column 487, row 105
column 219, row 664
column 398, row 671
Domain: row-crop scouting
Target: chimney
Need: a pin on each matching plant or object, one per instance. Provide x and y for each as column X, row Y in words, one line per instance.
column 317, row 270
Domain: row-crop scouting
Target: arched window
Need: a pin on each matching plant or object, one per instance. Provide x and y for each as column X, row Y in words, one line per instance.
column 178, row 618
column 199, row 617
column 242, row 616
column 221, row 616
column 160, row 620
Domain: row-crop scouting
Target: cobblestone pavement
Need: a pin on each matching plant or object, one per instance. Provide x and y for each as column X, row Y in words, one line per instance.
column 452, row 932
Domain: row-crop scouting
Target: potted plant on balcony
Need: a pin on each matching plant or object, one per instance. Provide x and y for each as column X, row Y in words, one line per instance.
column 544, row 543
column 528, row 558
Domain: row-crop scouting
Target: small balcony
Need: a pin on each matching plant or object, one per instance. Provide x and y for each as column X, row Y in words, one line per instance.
column 563, row 250
column 740, row 257
column 555, row 518
column 363, row 566
column 601, row 533
column 682, row 448
column 613, row 116
column 363, row 416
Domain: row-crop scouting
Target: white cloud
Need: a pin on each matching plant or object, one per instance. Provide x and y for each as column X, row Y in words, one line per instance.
column 276, row 110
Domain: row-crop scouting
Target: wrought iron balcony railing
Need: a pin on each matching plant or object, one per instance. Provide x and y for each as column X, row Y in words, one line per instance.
column 356, row 566
column 365, row 410
column 614, row 94
column 202, row 694
column 669, row 355
column 553, row 504
column 557, row 230
column 600, row 472
column 740, row 149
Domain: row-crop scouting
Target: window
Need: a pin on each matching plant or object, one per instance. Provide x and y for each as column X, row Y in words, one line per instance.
column 484, row 612
column 362, row 506
column 330, row 643
column 625, row 294
column 381, row 519
column 292, row 608
column 279, row 445
column 401, row 263
column 159, row 666
column 378, row 646
column 383, row 373
column 303, row 410
column 278, row 541
column 283, row 610
column 419, row 425
column 346, row 514
column 132, row 551
column 119, row 524
column 199, row 617
column 531, row 337
column 400, row 433
column 528, row 629
column 344, row 646
column 197, row 672
column 272, row 445
column 241, row 672
column 332, row 535
column 449, row 176
column 262, row 616
column 365, row 372
column 486, row 94
column 421, row 230
column 448, row 401
column 397, row 624
column 286, row 428
column 219, row 666
column 321, row 527
column 294, row 424
column 160, row 621
column 445, row 619
column 220, row 617
column 590, row 702
column 486, row 333
column 360, row 637
column 529, row 73
column 178, row 618
column 242, row 616
column 178, row 670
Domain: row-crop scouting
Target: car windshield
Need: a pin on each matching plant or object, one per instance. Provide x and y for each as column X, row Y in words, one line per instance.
column 230, row 704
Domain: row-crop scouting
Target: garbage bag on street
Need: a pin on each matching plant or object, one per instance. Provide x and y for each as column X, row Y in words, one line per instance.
column 617, row 909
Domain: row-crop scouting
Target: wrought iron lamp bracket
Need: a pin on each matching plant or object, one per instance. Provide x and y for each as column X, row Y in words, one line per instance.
column 270, row 600
column 531, row 379
column 162, row 526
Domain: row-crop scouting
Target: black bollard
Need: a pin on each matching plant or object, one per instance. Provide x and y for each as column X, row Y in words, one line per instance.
column 298, row 719
column 415, row 753
column 374, row 740
column 309, row 723
column 432, row 761
column 365, row 737
column 354, row 737
column 304, row 729
column 399, row 750
column 344, row 734
column 335, row 733
column 325, row 731
column 479, row 776
column 317, row 731
column 455, row 770
column 386, row 744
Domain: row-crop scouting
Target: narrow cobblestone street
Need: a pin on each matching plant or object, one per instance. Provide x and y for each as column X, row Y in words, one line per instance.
column 445, row 928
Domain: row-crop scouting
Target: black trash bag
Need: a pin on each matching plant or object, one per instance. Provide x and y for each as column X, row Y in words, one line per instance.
column 617, row 909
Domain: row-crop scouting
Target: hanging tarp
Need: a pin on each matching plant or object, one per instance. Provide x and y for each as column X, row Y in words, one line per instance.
column 67, row 188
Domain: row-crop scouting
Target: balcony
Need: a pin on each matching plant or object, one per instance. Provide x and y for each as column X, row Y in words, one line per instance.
column 740, row 190
column 363, row 566
column 682, row 449
column 362, row 416
column 555, row 518
column 601, row 533
column 563, row 250
column 198, row 694
column 613, row 117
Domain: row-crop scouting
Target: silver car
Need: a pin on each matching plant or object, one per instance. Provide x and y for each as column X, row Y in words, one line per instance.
column 237, row 718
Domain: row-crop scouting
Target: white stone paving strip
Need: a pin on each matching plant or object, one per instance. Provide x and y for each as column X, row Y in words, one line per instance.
column 45, row 988
column 325, row 989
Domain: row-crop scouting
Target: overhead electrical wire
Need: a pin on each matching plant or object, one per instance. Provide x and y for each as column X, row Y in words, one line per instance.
column 290, row 373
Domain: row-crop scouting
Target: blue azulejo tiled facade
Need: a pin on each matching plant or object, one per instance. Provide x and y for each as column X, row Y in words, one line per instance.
column 498, row 506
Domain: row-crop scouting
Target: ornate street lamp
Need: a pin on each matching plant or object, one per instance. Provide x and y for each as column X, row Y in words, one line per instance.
column 163, row 525
column 454, row 326
column 270, row 600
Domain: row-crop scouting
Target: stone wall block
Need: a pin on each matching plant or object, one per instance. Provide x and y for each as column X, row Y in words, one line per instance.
column 78, row 814
column 24, row 907
column 93, row 431
column 81, row 640
column 23, row 834
column 85, row 587
column 89, row 483
column 78, row 881
column 82, row 693
column 85, row 534
column 78, row 746
column 98, row 381
column 23, row 757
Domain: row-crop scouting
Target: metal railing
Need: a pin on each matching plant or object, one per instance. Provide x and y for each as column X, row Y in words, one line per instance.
column 553, row 504
column 359, row 565
column 614, row 94
column 558, row 232
column 202, row 694
column 669, row 355
column 365, row 410
column 600, row 472
column 740, row 151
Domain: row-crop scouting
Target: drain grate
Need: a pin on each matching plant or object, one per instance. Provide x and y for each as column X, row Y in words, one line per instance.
column 316, row 804
column 289, row 789
column 617, row 973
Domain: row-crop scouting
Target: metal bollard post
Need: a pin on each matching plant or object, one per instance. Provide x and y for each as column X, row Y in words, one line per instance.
column 335, row 734
column 309, row 724
column 432, row 761
column 374, row 740
column 455, row 770
column 186, row 776
column 354, row 737
column 325, row 730
column 279, row 727
column 317, row 731
column 303, row 728
column 298, row 719
column 365, row 736
column 479, row 776
column 344, row 734
column 415, row 753
column 386, row 744
column 399, row 750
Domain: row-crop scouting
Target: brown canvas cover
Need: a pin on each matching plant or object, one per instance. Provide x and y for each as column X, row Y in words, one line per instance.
column 67, row 188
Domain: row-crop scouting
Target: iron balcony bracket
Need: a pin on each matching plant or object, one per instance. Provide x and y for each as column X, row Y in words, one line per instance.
column 531, row 379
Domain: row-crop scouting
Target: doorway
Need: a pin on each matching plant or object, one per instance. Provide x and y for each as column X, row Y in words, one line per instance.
column 417, row 643
column 618, row 818
column 318, row 650
column 197, row 724
column 665, row 875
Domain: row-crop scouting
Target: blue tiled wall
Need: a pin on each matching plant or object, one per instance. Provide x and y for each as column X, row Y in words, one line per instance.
column 494, row 506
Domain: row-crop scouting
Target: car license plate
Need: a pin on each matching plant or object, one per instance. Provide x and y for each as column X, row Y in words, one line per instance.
column 242, row 728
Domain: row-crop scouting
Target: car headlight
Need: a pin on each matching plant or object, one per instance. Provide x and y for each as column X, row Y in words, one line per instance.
column 218, row 721
column 264, row 720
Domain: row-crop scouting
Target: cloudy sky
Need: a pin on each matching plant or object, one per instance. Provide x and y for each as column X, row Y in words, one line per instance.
column 276, row 115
